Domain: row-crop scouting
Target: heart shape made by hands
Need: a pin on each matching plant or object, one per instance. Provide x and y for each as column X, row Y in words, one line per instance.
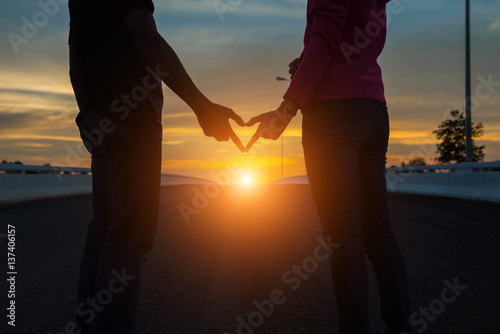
column 245, row 133
column 270, row 126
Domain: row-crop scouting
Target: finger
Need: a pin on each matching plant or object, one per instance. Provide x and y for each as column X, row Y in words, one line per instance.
column 220, row 134
column 236, row 140
column 252, row 141
column 255, row 120
column 217, row 133
column 237, row 119
column 221, row 138
column 266, row 134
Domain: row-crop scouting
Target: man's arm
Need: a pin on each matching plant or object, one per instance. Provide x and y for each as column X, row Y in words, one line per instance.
column 213, row 118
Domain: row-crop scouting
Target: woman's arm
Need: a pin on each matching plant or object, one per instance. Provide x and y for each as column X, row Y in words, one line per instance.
column 328, row 20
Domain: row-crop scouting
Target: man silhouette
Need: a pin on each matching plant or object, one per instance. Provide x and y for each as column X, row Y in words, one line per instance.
column 337, row 83
column 118, row 61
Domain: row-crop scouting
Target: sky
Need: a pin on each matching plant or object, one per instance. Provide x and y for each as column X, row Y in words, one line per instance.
column 234, row 57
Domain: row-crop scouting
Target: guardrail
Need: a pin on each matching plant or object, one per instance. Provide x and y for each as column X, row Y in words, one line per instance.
column 30, row 169
column 465, row 167
column 475, row 181
column 27, row 182
column 478, row 181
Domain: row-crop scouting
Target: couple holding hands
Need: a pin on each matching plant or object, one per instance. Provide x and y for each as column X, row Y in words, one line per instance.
column 272, row 124
column 116, row 52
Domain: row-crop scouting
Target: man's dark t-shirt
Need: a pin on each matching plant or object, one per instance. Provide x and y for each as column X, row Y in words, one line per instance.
column 113, row 79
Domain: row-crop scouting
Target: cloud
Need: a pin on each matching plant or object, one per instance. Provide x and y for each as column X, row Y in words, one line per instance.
column 280, row 9
column 495, row 26
column 11, row 120
column 21, row 136
column 234, row 62
column 173, row 142
column 32, row 112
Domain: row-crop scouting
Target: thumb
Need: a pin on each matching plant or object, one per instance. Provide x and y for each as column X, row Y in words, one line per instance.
column 255, row 120
column 237, row 118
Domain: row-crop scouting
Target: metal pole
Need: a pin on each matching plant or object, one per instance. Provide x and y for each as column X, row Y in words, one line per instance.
column 282, row 79
column 270, row 163
column 282, row 145
column 468, row 116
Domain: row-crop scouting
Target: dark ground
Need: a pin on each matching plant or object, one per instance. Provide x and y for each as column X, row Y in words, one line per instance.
column 202, row 276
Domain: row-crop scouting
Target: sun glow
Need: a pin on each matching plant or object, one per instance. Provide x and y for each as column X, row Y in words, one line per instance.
column 247, row 180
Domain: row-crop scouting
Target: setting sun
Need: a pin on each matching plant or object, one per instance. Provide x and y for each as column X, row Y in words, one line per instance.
column 247, row 180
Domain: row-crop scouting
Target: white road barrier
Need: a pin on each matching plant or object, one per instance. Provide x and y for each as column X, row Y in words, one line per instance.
column 475, row 181
column 23, row 182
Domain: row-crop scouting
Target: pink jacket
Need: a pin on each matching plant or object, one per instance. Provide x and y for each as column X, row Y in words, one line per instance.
column 342, row 42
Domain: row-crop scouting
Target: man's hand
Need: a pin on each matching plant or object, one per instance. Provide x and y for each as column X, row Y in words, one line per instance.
column 272, row 123
column 294, row 65
column 214, row 120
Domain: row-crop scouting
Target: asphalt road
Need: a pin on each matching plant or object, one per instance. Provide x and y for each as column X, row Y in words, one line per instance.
column 214, row 271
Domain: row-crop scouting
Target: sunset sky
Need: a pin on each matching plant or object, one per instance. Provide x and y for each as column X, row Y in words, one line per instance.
column 234, row 59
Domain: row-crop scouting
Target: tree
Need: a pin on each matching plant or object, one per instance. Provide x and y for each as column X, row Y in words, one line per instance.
column 12, row 163
column 417, row 162
column 451, row 137
column 414, row 162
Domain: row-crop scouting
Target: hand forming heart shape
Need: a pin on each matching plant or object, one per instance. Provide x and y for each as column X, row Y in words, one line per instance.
column 214, row 120
column 272, row 124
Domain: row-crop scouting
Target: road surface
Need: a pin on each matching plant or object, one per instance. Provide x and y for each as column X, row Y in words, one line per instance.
column 225, row 263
